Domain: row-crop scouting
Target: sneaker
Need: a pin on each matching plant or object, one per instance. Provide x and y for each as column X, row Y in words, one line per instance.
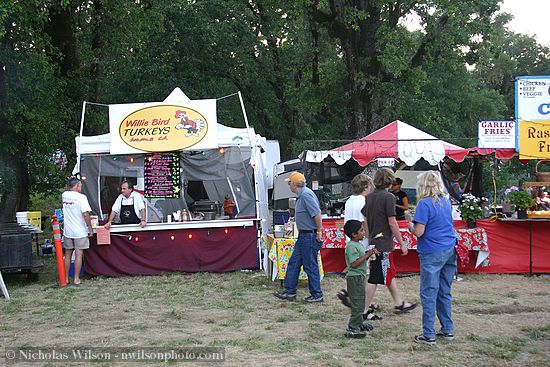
column 286, row 296
column 312, row 299
column 444, row 335
column 423, row 340
column 353, row 333
column 366, row 327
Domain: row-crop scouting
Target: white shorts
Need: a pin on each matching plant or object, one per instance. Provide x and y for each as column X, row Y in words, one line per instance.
column 82, row 243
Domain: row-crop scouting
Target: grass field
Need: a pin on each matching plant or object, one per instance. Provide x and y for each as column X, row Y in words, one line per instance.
column 501, row 320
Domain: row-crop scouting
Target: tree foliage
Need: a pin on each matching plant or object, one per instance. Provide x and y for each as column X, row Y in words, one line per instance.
column 307, row 69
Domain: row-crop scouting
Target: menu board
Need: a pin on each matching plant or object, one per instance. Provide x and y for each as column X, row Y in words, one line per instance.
column 162, row 175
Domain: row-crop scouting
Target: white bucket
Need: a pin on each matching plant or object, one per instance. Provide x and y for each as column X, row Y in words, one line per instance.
column 22, row 217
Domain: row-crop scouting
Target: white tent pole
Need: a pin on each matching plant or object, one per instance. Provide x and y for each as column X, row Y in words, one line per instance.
column 233, row 193
column 80, row 139
column 4, row 288
column 255, row 169
column 245, row 117
column 99, row 190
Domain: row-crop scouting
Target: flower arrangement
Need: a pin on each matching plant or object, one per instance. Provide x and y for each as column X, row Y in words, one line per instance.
column 520, row 198
column 470, row 207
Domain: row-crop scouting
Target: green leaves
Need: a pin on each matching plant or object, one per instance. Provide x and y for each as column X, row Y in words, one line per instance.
column 308, row 69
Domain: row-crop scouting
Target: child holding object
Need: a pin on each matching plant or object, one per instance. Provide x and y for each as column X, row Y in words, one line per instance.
column 356, row 260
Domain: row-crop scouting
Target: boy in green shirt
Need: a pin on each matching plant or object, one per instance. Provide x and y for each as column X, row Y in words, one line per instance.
column 356, row 260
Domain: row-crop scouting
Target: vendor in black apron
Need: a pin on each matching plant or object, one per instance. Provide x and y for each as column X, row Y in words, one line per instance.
column 129, row 205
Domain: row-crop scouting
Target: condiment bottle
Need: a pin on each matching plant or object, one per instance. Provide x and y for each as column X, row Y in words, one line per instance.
column 184, row 215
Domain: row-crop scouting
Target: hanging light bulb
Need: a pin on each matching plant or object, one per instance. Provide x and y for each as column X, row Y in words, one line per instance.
column 221, row 150
column 172, row 237
column 190, row 236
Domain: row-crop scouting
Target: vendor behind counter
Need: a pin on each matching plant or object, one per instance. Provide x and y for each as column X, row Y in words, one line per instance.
column 216, row 173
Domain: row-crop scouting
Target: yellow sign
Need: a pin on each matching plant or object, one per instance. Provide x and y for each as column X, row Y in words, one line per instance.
column 163, row 128
column 534, row 139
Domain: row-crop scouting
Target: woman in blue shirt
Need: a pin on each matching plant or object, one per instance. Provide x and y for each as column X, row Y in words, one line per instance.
column 433, row 226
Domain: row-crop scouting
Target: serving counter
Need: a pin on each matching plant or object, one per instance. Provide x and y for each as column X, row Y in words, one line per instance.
column 195, row 246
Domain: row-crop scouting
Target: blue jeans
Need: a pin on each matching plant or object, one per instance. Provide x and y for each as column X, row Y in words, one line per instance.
column 436, row 276
column 305, row 253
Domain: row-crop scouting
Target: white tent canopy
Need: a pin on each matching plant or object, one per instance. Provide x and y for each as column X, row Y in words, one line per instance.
column 397, row 140
column 225, row 137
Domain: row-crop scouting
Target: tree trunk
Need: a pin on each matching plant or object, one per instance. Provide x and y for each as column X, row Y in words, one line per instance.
column 363, row 68
column 16, row 194
column 99, row 18
column 364, row 109
column 61, row 29
column 15, row 198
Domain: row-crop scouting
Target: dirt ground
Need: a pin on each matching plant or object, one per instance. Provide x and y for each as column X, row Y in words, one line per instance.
column 501, row 320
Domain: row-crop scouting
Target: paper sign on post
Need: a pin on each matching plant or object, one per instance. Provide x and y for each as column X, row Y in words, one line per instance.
column 103, row 236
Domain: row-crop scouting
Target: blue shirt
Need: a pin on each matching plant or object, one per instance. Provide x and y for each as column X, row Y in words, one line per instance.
column 439, row 234
column 307, row 207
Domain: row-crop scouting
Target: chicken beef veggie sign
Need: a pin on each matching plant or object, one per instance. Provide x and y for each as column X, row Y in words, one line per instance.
column 157, row 127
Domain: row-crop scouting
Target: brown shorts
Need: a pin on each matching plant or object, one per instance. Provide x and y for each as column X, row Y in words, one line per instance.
column 82, row 243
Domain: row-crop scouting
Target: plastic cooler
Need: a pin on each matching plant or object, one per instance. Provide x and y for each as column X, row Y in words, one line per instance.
column 22, row 217
column 59, row 215
column 35, row 218
column 71, row 268
column 280, row 217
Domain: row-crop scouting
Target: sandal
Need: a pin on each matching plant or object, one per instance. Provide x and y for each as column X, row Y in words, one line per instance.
column 374, row 307
column 402, row 309
column 344, row 297
column 372, row 317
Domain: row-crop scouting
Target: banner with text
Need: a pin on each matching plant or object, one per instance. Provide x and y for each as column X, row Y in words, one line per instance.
column 385, row 162
column 159, row 127
column 534, row 139
column 532, row 98
column 496, row 134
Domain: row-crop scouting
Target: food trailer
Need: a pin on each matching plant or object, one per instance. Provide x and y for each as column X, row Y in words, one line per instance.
column 181, row 160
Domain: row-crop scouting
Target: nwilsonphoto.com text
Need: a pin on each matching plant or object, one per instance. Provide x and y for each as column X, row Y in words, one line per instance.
column 124, row 354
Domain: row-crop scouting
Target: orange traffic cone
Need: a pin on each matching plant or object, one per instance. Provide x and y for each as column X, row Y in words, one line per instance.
column 59, row 251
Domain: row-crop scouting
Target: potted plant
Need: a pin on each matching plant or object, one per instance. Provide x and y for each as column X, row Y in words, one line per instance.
column 521, row 199
column 470, row 209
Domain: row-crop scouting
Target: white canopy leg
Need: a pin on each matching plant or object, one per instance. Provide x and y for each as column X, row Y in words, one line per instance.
column 3, row 287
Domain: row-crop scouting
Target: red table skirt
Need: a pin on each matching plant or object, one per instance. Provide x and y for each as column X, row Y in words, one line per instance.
column 508, row 243
column 189, row 250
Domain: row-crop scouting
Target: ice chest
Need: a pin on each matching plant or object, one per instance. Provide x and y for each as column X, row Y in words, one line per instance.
column 35, row 218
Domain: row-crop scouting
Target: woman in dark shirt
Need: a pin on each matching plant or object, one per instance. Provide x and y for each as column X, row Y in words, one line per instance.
column 402, row 200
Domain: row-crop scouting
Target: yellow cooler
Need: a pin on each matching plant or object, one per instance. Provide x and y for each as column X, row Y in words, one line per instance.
column 35, row 218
